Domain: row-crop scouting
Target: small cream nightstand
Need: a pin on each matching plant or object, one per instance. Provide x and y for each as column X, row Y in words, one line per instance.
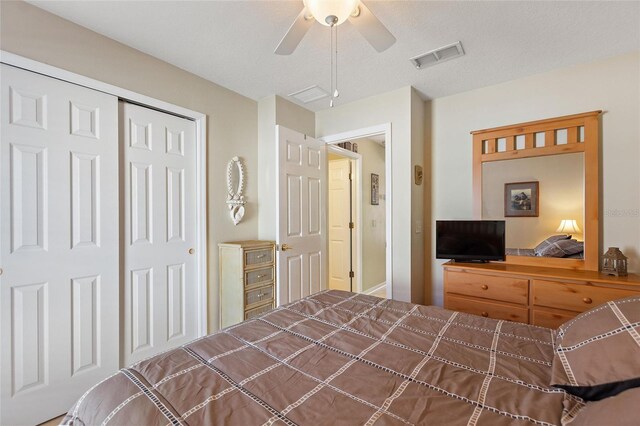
column 247, row 277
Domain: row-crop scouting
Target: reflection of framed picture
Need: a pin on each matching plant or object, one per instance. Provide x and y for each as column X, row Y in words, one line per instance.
column 521, row 199
column 375, row 187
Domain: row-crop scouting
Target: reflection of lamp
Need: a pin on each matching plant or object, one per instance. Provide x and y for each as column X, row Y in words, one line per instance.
column 568, row 226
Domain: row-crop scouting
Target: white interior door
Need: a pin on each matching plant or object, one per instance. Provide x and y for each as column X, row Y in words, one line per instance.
column 59, row 244
column 340, row 260
column 301, row 222
column 160, row 281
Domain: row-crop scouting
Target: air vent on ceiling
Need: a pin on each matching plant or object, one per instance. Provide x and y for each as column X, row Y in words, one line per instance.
column 309, row 94
column 436, row 56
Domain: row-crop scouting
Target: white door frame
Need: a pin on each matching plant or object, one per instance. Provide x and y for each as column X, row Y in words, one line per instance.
column 357, row 173
column 381, row 129
column 200, row 120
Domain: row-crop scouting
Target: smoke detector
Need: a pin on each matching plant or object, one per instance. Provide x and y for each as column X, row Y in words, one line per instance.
column 436, row 56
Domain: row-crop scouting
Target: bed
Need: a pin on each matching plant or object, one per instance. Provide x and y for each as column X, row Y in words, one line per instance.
column 341, row 358
column 562, row 246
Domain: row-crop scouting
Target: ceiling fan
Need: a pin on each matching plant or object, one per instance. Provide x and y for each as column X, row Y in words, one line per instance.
column 334, row 12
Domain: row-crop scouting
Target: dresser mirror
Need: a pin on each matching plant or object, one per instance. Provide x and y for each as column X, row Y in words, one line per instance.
column 555, row 166
column 560, row 181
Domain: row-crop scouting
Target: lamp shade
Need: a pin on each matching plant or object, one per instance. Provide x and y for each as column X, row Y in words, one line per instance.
column 568, row 226
column 320, row 9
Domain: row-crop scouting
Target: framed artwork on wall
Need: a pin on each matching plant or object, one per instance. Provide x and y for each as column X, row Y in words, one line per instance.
column 375, row 188
column 521, row 199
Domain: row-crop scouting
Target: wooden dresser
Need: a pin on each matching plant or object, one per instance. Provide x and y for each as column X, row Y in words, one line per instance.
column 531, row 294
column 247, row 277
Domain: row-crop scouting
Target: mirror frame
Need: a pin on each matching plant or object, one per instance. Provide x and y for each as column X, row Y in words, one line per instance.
column 235, row 198
column 485, row 149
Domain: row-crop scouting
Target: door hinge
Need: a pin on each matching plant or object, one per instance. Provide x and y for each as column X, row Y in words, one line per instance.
column 350, row 176
column 351, row 274
column 352, row 225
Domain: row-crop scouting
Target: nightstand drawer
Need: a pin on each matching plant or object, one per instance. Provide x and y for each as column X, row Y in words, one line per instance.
column 259, row 295
column 506, row 289
column 574, row 297
column 487, row 309
column 256, row 277
column 256, row 258
column 258, row 311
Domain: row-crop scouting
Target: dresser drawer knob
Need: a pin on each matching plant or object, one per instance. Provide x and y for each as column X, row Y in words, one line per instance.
column 485, row 314
column 262, row 275
column 260, row 256
column 484, row 287
column 587, row 300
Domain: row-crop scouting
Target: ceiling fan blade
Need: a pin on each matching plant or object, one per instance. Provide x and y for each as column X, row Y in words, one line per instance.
column 372, row 29
column 296, row 32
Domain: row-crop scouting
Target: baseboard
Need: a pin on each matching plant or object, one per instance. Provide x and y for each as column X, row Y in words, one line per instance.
column 376, row 288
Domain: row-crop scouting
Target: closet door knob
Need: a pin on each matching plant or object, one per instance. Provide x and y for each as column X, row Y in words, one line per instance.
column 191, row 251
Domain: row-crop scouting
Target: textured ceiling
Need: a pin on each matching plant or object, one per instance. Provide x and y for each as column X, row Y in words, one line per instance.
column 231, row 42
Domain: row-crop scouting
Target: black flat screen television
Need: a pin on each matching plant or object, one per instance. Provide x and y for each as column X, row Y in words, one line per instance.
column 470, row 240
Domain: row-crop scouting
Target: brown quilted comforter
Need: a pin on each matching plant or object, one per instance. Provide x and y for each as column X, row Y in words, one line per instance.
column 337, row 358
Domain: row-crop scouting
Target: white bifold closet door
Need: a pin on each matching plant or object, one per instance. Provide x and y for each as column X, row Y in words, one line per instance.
column 159, row 197
column 59, row 287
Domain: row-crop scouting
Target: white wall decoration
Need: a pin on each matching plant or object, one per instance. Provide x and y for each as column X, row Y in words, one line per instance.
column 235, row 188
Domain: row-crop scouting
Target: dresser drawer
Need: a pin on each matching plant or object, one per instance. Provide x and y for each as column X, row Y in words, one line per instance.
column 550, row 319
column 258, row 311
column 574, row 297
column 487, row 309
column 259, row 257
column 506, row 289
column 259, row 295
column 256, row 277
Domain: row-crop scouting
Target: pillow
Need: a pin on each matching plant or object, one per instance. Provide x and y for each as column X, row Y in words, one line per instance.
column 622, row 407
column 552, row 239
column 562, row 248
column 597, row 354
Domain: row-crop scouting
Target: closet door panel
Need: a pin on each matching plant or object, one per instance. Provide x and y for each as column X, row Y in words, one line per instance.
column 159, row 211
column 59, row 243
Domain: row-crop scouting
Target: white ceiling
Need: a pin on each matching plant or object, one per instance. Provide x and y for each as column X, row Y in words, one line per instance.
column 231, row 42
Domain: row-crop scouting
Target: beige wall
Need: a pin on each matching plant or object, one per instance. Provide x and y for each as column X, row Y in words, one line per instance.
column 561, row 195
column 373, row 216
column 418, row 269
column 232, row 119
column 612, row 85
column 393, row 107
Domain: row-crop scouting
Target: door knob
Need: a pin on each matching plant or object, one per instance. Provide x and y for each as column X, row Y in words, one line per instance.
column 191, row 251
column 285, row 247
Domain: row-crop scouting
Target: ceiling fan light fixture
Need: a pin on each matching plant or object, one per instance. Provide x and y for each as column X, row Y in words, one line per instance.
column 321, row 9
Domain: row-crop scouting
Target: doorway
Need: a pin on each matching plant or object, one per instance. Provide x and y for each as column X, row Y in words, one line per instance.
column 342, row 219
column 356, row 207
